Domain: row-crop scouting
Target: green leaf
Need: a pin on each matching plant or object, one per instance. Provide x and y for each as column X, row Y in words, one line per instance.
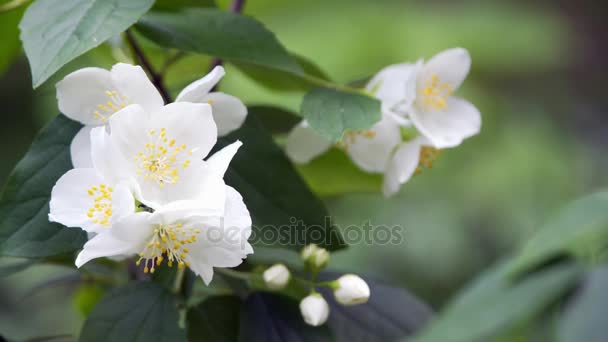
column 580, row 229
column 276, row 196
column 390, row 313
column 25, row 230
column 279, row 80
column 213, row 32
column 272, row 318
column 275, row 120
column 137, row 312
column 55, row 32
column 14, row 267
column 175, row 5
column 334, row 173
column 87, row 296
column 215, row 319
column 9, row 36
column 330, row 112
column 494, row 304
column 585, row 318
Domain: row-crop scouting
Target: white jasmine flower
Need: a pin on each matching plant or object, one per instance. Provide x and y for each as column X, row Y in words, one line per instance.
column 422, row 94
column 179, row 236
column 92, row 95
column 417, row 95
column 276, row 277
column 350, row 289
column 229, row 112
column 83, row 198
column 162, row 151
column 314, row 309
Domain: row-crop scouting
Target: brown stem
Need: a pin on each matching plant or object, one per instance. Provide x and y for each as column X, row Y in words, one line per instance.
column 143, row 61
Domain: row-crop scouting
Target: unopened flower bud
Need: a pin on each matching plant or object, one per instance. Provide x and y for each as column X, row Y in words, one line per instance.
column 276, row 277
column 308, row 251
column 314, row 309
column 350, row 289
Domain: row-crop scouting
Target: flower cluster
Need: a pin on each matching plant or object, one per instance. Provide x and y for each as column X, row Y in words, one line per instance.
column 349, row 289
column 143, row 181
column 420, row 118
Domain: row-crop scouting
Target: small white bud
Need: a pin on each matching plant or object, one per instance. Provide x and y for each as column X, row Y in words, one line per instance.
column 308, row 251
column 320, row 258
column 314, row 309
column 350, row 289
column 276, row 277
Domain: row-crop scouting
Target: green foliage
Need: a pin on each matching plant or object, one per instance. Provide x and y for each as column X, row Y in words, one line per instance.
column 580, row 229
column 331, row 112
column 275, row 194
column 175, row 5
column 138, row 312
column 226, row 35
column 55, row 32
column 586, row 316
column 86, row 297
column 215, row 319
column 14, row 267
column 9, row 36
column 494, row 304
column 25, row 229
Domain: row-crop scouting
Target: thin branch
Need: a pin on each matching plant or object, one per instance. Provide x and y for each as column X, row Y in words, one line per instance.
column 156, row 78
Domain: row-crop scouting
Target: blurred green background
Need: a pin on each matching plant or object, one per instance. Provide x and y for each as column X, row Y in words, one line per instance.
column 537, row 77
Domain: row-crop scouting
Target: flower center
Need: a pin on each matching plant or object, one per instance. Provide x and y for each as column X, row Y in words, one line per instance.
column 428, row 156
column 115, row 103
column 101, row 210
column 170, row 242
column 435, row 94
column 351, row 137
column 161, row 159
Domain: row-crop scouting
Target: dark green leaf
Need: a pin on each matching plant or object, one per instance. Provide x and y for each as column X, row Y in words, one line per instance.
column 585, row 318
column 284, row 211
column 330, row 112
column 14, row 267
column 279, row 80
column 271, row 318
column 9, row 36
column 217, row 33
column 175, row 5
column 143, row 312
column 275, row 120
column 580, row 229
column 344, row 176
column 25, row 230
column 215, row 319
column 493, row 304
column 391, row 313
column 55, row 32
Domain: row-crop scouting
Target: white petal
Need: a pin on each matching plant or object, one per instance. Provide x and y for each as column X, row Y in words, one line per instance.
column 221, row 159
column 402, row 166
column 304, row 144
column 80, row 93
column 190, row 124
column 372, row 153
column 71, row 201
column 129, row 130
column 80, row 148
column 451, row 66
column 394, row 86
column 448, row 127
column 128, row 236
column 229, row 112
column 106, row 157
column 197, row 90
column 224, row 244
column 132, row 82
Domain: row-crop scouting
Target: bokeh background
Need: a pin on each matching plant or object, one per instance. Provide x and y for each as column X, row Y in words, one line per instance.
column 538, row 77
